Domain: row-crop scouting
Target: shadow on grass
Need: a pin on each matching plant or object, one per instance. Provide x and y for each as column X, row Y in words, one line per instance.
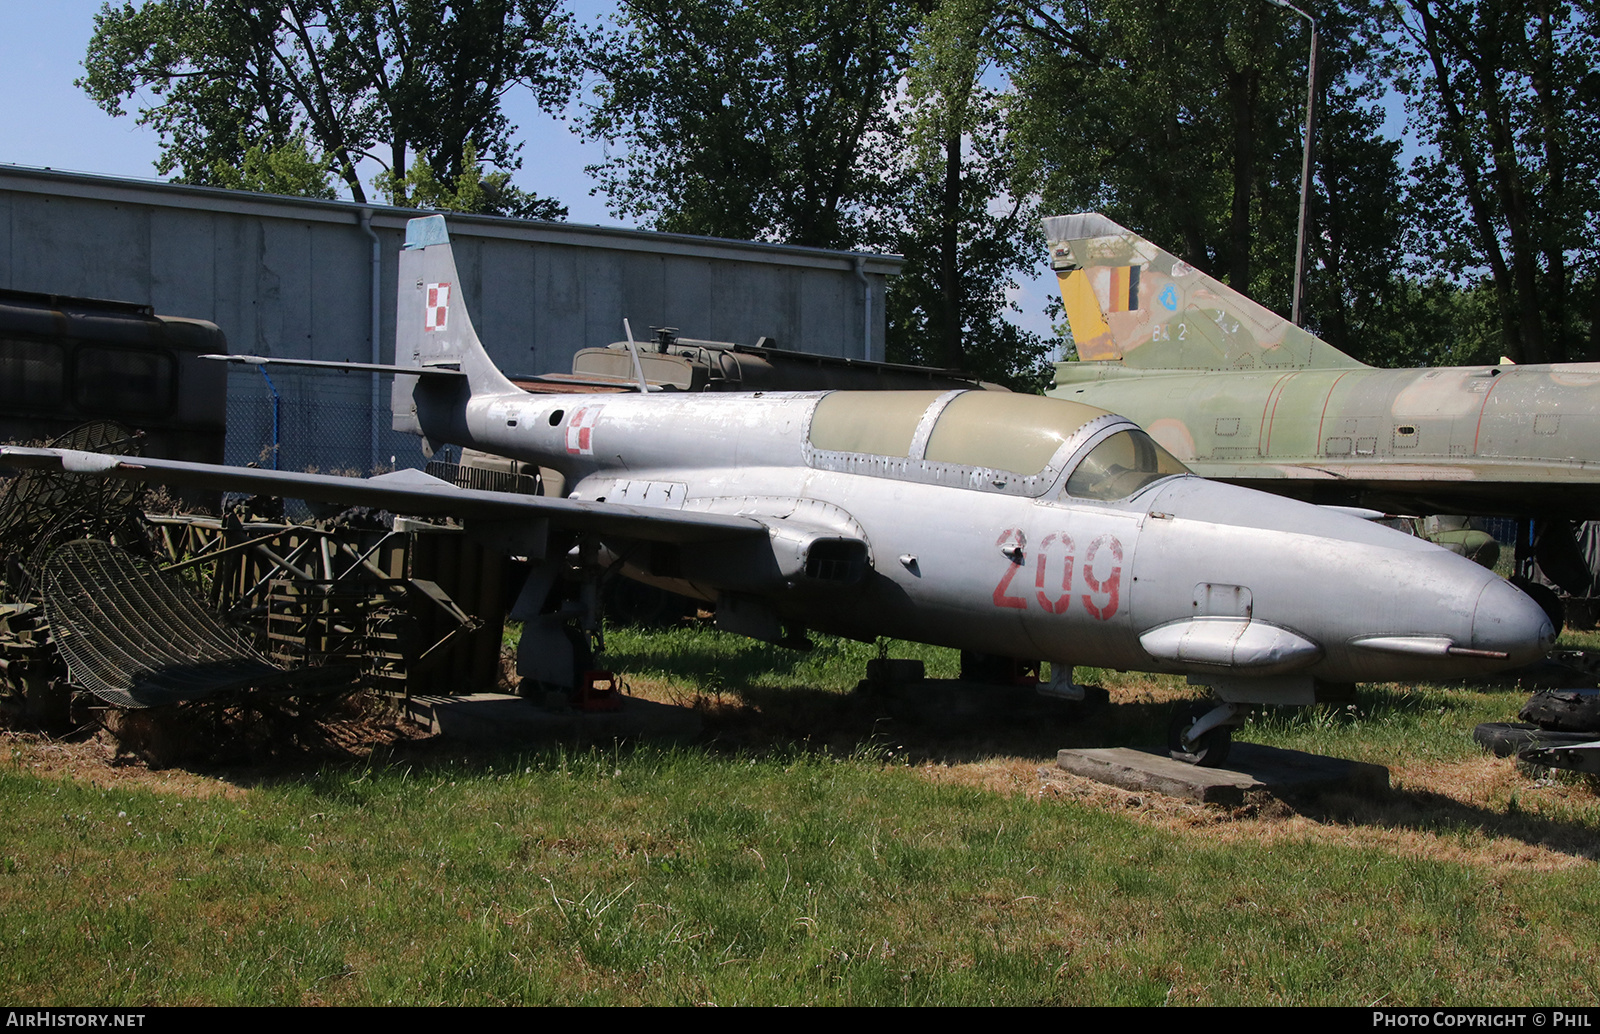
column 733, row 684
column 739, row 663
column 935, row 722
column 1424, row 811
column 780, row 725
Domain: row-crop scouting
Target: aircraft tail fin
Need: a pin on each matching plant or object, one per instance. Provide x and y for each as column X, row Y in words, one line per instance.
column 1130, row 302
column 433, row 330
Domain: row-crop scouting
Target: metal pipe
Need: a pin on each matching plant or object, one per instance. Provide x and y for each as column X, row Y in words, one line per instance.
column 1305, row 165
column 277, row 414
column 375, row 323
column 866, row 320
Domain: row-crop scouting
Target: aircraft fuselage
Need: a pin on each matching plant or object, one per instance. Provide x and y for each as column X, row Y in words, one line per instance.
column 1489, row 440
column 960, row 557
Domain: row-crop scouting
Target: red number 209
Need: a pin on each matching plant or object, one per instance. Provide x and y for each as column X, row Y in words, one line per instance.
column 1101, row 572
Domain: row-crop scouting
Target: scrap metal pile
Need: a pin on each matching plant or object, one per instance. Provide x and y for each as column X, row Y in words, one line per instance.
column 103, row 605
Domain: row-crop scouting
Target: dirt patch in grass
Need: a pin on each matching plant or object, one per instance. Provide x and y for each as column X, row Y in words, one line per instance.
column 209, row 761
column 1484, row 811
column 98, row 762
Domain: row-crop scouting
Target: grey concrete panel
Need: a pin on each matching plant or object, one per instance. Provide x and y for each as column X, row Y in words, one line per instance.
column 337, row 301
column 604, row 296
column 233, row 269
column 749, row 302
column 831, row 308
column 7, row 257
column 76, row 247
column 505, row 319
column 558, row 309
column 643, row 297
column 688, row 289
column 182, row 249
column 786, row 300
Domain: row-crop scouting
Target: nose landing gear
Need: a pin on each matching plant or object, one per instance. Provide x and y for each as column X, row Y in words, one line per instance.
column 1201, row 733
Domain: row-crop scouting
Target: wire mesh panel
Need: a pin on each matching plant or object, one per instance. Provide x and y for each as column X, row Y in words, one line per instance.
column 135, row 639
column 33, row 499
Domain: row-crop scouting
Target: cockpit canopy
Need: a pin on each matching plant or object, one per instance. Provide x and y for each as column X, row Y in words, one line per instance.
column 988, row 441
column 1121, row 465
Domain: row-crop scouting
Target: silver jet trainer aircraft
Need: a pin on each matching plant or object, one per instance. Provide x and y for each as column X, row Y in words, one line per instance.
column 1012, row 525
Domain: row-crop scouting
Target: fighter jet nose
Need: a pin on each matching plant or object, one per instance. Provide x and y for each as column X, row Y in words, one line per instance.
column 1507, row 620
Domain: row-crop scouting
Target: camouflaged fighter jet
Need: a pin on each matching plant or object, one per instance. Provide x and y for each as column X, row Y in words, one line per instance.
column 1013, row 525
column 1241, row 394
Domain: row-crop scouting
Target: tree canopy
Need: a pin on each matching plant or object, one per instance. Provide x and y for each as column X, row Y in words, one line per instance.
column 829, row 126
column 1181, row 120
column 756, row 119
column 1507, row 96
column 266, row 95
column 966, row 220
column 941, row 129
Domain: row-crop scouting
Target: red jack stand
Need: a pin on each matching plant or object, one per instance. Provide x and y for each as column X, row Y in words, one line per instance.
column 597, row 691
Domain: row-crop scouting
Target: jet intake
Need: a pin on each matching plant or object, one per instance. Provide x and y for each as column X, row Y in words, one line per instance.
column 792, row 556
column 802, row 554
column 840, row 561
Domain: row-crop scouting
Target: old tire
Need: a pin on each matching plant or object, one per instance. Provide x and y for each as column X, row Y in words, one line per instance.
column 1567, row 710
column 1210, row 751
column 1503, row 739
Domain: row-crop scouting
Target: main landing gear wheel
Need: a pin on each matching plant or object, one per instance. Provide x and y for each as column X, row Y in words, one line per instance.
column 1209, row 749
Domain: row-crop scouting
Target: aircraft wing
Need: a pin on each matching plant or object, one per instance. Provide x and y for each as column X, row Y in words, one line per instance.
column 1482, row 487
column 405, row 491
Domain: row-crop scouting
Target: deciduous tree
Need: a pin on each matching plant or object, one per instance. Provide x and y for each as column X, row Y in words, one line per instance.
column 753, row 119
column 398, row 81
column 1507, row 96
column 966, row 224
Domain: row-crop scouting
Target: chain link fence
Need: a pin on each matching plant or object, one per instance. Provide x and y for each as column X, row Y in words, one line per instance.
column 316, row 436
column 308, row 434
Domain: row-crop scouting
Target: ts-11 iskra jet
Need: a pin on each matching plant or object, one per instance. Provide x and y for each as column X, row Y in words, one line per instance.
column 1011, row 525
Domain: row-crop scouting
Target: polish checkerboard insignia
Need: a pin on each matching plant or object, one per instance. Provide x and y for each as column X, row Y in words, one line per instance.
column 580, row 431
column 436, row 309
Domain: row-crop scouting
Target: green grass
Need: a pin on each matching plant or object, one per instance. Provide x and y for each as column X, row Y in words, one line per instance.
column 704, row 660
column 758, row 871
column 1385, row 722
column 677, row 877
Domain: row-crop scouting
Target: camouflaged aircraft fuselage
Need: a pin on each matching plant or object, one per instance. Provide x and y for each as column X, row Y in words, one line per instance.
column 1240, row 394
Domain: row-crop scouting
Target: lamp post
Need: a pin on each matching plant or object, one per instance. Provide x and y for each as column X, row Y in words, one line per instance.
column 1305, row 167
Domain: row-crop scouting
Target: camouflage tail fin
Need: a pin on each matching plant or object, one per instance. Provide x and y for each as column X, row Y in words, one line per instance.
column 1128, row 301
column 432, row 329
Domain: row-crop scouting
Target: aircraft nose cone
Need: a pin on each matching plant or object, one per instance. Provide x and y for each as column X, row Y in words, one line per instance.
column 1507, row 620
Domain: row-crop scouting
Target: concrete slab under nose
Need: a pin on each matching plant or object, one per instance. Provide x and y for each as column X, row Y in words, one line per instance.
column 1251, row 769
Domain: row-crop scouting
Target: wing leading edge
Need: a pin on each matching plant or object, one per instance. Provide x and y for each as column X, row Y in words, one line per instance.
column 406, row 491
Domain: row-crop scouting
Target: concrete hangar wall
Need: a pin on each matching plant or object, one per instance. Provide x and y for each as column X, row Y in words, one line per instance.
column 294, row 278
